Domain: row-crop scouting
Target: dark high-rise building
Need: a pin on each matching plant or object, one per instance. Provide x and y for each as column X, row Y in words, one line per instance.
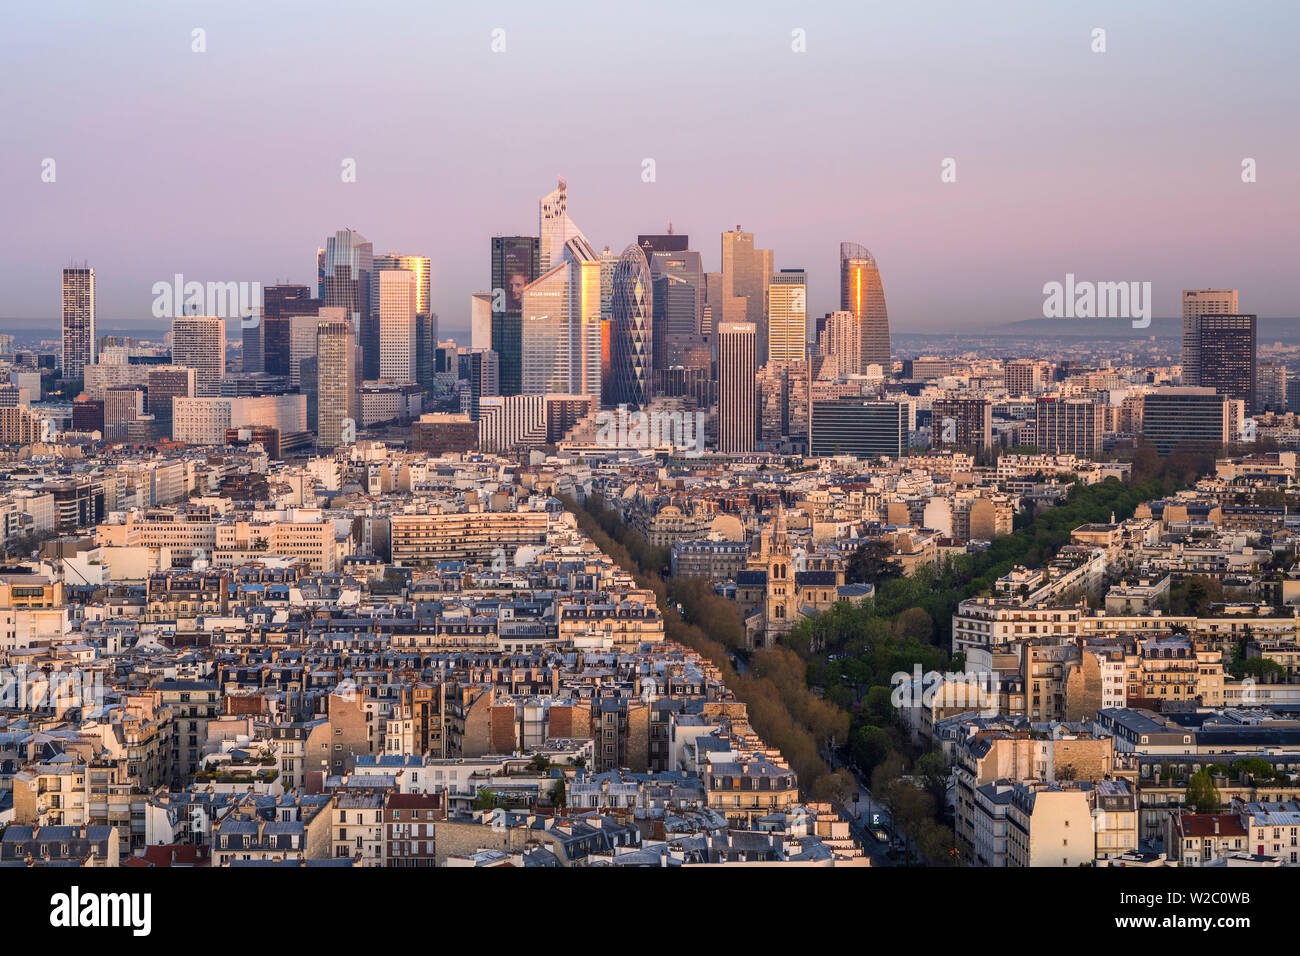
column 426, row 348
column 1193, row 415
column 1196, row 303
column 88, row 415
column 251, row 357
column 859, row 427
column 78, row 322
column 280, row 303
column 670, row 243
column 631, row 334
column 863, row 294
column 961, row 423
column 165, row 383
column 1068, row 426
column 345, row 270
column 1227, row 355
column 671, row 257
column 676, row 329
column 515, row 263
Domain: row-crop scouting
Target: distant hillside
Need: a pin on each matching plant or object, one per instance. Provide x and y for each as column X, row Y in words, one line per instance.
column 1270, row 330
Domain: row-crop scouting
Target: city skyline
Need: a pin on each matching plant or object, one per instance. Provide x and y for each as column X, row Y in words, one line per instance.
column 1110, row 205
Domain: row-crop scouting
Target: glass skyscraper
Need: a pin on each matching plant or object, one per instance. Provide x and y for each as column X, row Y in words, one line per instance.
column 514, row 265
column 344, row 269
column 863, row 294
column 631, row 339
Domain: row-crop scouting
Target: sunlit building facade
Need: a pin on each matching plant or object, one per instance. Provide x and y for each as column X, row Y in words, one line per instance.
column 398, row 295
column 787, row 316
column 863, row 294
column 561, row 325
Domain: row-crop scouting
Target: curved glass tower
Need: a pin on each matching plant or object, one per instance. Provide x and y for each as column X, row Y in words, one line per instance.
column 630, row 329
column 862, row 293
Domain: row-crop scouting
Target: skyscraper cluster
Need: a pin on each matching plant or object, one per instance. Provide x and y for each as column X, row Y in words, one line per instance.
column 650, row 322
column 560, row 319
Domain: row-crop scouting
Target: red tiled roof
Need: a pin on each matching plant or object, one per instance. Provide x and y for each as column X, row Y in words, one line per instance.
column 175, row 855
column 1202, row 825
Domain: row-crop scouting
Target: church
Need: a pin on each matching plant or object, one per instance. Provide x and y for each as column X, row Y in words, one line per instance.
column 780, row 584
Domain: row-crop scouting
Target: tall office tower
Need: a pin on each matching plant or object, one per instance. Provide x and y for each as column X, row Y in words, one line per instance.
column 631, row 341
column 426, row 349
column 863, row 294
column 1196, row 303
column 480, row 321
column 416, row 265
column 123, row 404
column 1270, row 387
column 252, row 357
column 1068, row 426
column 670, row 255
column 165, row 383
column 860, row 427
column 737, row 392
column 1021, row 378
column 480, row 370
column 561, row 325
column 1194, row 415
column 674, row 321
column 337, row 381
column 841, row 339
column 608, row 263
column 344, row 270
column 787, row 316
column 199, row 342
column 746, row 274
column 279, row 304
column 78, row 321
column 712, row 313
column 1293, row 393
column 285, row 299
column 396, row 309
column 961, row 423
column 1226, row 351
column 515, row 263
column 554, row 227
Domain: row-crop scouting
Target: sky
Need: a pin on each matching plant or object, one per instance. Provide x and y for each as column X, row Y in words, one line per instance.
column 226, row 165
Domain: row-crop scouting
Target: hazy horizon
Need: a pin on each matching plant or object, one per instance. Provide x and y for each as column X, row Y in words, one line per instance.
column 225, row 165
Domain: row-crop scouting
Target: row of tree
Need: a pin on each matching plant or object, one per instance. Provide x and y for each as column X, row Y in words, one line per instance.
column 782, row 709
